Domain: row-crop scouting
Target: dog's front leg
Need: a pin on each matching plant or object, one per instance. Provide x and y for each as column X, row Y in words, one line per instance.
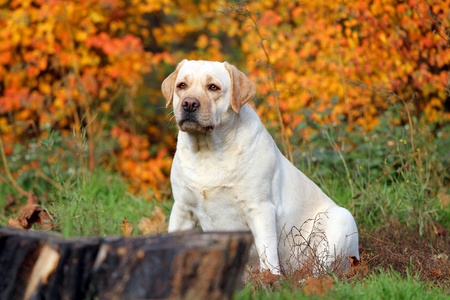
column 262, row 222
column 181, row 218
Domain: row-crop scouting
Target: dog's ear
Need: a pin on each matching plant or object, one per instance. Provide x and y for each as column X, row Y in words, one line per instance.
column 242, row 88
column 168, row 84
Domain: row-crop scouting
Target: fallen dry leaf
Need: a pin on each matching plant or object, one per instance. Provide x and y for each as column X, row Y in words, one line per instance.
column 156, row 224
column 127, row 227
column 14, row 223
column 318, row 285
column 436, row 273
column 31, row 213
column 356, row 267
column 28, row 210
column 268, row 278
column 299, row 275
column 354, row 262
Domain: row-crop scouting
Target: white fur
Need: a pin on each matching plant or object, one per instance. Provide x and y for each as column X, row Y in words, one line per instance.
column 235, row 178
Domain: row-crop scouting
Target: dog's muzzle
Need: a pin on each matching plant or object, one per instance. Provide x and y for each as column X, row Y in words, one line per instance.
column 189, row 117
column 189, row 113
column 190, row 104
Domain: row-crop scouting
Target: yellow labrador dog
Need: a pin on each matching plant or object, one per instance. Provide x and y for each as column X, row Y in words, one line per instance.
column 228, row 173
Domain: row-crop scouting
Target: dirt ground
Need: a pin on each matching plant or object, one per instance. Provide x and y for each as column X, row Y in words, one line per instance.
column 395, row 247
column 390, row 247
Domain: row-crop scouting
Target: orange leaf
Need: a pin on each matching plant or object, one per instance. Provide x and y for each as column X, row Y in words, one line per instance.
column 45, row 88
column 354, row 262
column 202, row 41
column 8, row 150
column 356, row 267
column 318, row 285
column 267, row 278
column 31, row 213
column 5, row 57
column 156, row 224
column 436, row 273
column 15, row 223
column 127, row 227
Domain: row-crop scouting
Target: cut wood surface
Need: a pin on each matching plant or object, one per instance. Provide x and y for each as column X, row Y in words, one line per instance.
column 184, row 265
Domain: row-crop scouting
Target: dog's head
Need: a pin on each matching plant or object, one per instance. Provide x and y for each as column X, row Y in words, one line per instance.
column 204, row 93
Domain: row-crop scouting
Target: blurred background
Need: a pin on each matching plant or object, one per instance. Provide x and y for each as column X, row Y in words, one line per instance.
column 354, row 92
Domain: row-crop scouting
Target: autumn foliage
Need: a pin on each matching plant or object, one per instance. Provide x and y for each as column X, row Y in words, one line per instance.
column 360, row 53
column 82, row 68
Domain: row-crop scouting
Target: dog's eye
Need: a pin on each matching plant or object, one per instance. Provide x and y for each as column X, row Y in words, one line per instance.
column 214, row 87
column 181, row 85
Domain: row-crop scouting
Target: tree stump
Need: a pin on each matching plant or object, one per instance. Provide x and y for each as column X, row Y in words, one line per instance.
column 183, row 265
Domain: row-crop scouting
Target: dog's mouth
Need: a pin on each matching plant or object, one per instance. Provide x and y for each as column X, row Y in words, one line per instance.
column 190, row 124
column 208, row 129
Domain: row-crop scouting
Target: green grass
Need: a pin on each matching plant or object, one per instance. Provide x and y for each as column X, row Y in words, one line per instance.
column 96, row 206
column 378, row 176
column 378, row 285
column 393, row 170
column 388, row 173
column 80, row 202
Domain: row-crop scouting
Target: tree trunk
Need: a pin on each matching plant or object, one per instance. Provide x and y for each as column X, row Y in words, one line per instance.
column 187, row 265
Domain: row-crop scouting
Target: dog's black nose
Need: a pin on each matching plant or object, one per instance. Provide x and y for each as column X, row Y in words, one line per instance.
column 190, row 104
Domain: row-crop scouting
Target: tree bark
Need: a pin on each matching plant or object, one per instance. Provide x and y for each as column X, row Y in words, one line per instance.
column 184, row 265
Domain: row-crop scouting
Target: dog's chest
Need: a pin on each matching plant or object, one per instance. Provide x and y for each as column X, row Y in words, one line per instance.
column 215, row 193
column 209, row 169
column 220, row 208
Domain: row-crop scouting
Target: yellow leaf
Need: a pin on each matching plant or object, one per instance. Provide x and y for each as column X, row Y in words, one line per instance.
column 105, row 107
column 45, row 88
column 43, row 63
column 96, row 17
column 156, row 224
column 202, row 41
column 24, row 114
column 318, row 285
column 80, row 35
column 59, row 103
column 127, row 227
